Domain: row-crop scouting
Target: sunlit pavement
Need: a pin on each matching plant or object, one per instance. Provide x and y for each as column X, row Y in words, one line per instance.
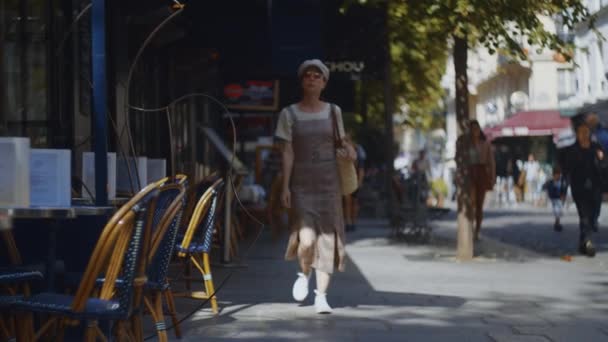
column 519, row 288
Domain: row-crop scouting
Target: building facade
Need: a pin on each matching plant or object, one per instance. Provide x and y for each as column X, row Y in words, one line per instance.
column 585, row 87
column 501, row 87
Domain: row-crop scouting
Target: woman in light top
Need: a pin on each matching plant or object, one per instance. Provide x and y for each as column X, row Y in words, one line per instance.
column 311, row 184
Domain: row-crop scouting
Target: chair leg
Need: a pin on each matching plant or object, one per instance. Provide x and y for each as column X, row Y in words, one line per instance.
column 137, row 327
column 172, row 312
column 188, row 273
column 205, row 269
column 60, row 330
column 156, row 310
column 233, row 245
column 209, row 283
column 25, row 327
column 238, row 228
column 4, row 330
column 90, row 334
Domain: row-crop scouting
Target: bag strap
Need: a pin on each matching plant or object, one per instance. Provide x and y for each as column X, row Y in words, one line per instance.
column 291, row 113
column 334, row 120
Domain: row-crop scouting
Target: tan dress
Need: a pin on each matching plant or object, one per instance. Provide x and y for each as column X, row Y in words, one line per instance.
column 316, row 195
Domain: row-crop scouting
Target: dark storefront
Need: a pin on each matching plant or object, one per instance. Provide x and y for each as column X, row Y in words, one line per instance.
column 45, row 89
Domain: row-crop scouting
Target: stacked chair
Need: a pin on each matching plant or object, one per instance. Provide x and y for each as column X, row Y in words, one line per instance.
column 170, row 208
column 112, row 286
column 198, row 237
column 14, row 282
column 127, row 273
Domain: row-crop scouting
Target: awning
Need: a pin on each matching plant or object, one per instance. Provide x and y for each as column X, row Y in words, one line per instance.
column 530, row 124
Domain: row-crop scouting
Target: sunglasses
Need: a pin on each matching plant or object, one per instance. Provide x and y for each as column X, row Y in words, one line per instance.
column 312, row 74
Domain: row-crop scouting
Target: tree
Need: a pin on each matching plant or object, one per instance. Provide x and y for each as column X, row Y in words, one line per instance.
column 418, row 51
column 499, row 26
column 508, row 26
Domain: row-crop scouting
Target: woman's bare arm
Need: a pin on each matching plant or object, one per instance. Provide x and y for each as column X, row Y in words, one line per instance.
column 287, row 165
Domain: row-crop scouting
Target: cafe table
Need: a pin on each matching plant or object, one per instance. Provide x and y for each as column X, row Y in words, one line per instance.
column 52, row 214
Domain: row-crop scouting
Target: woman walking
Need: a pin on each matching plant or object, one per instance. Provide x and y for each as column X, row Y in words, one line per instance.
column 477, row 157
column 311, row 184
column 582, row 169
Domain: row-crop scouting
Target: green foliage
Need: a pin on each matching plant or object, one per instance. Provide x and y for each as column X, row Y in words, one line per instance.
column 502, row 24
column 419, row 53
column 420, row 31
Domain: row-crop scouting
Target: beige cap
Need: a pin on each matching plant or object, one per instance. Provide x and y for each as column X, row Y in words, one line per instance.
column 316, row 63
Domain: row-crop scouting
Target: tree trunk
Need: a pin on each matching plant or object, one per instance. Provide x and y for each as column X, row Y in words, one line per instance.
column 465, row 209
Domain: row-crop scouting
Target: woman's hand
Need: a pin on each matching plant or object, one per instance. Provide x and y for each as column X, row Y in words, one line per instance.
column 600, row 155
column 286, row 198
column 347, row 152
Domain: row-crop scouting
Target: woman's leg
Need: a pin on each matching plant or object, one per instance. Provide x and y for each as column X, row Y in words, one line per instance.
column 321, row 305
column 480, row 195
column 584, row 206
column 323, row 279
column 306, row 248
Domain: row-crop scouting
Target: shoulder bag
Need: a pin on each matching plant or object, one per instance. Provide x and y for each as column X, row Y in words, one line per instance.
column 346, row 168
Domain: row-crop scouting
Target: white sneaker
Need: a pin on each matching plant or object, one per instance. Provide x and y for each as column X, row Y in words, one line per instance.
column 300, row 287
column 321, row 305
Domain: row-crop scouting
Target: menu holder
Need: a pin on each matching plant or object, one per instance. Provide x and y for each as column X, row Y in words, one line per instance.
column 126, row 184
column 88, row 175
column 157, row 169
column 14, row 172
column 50, row 178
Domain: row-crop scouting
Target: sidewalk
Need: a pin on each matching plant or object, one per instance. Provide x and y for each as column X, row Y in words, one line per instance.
column 392, row 291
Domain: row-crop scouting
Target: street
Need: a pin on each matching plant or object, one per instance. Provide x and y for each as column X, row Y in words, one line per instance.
column 518, row 288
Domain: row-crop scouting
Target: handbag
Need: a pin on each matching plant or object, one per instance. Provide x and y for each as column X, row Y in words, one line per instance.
column 346, row 168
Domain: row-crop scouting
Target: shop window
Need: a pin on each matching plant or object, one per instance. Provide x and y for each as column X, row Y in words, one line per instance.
column 23, row 65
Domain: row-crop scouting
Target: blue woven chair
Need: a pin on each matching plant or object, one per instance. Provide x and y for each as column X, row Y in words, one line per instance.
column 15, row 280
column 167, row 218
column 197, row 240
column 193, row 195
column 117, row 259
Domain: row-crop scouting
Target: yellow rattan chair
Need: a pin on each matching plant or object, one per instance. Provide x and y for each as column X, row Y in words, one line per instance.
column 197, row 241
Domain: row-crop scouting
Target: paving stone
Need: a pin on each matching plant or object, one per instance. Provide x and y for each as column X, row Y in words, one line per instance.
column 565, row 334
column 399, row 292
column 520, row 320
column 502, row 337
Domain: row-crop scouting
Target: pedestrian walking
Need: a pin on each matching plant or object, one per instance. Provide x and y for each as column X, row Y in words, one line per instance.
column 311, row 184
column 476, row 156
column 532, row 168
column 581, row 167
column 557, row 189
column 351, row 202
column 599, row 134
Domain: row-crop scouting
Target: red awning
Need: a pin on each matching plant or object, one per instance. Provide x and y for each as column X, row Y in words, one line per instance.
column 531, row 123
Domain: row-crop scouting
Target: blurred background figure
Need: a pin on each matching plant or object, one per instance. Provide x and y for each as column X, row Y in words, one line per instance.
column 580, row 166
column 557, row 189
column 477, row 156
column 351, row 202
column 599, row 134
column 531, row 167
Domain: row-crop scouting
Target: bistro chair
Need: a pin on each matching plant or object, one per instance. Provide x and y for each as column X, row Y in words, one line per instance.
column 117, row 260
column 196, row 244
column 193, row 195
column 169, row 209
column 14, row 281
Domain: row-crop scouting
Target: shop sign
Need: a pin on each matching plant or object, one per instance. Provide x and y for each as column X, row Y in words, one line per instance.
column 345, row 66
column 252, row 95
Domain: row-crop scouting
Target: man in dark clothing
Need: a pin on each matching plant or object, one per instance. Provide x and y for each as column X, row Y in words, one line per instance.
column 581, row 169
column 599, row 134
